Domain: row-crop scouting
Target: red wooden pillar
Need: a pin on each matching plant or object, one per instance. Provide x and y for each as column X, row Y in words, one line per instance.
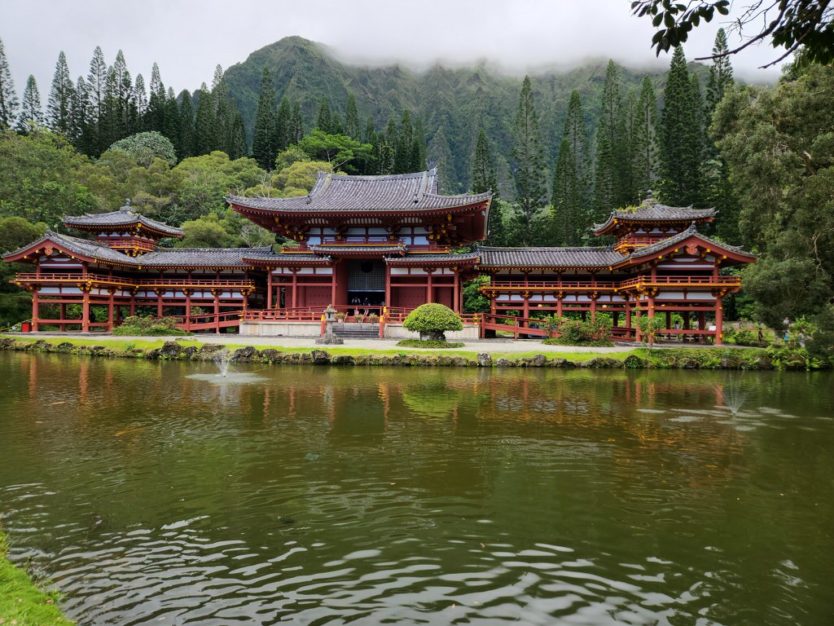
column 593, row 307
column 456, row 297
column 216, row 310
column 159, row 303
column 36, row 310
column 526, row 306
column 333, row 287
column 85, row 310
column 133, row 304
column 559, row 298
column 388, row 302
column 429, row 286
column 294, row 288
column 628, row 314
column 269, row 289
column 111, row 306
column 187, row 318
column 719, row 321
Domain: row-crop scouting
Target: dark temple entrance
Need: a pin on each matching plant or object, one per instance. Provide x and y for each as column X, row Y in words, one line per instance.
column 366, row 283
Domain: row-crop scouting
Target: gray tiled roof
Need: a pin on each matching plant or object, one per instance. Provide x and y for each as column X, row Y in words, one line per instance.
column 293, row 257
column 337, row 192
column 342, row 249
column 411, row 259
column 166, row 257
column 199, row 257
column 549, row 257
column 123, row 217
column 652, row 211
column 683, row 236
column 80, row 247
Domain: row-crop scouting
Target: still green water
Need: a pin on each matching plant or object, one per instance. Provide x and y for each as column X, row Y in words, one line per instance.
column 322, row 495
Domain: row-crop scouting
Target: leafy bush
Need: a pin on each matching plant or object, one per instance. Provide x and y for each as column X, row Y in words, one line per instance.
column 573, row 332
column 428, row 343
column 136, row 325
column 145, row 147
column 432, row 320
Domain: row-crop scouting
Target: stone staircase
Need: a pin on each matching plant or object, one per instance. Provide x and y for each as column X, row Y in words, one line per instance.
column 356, row 331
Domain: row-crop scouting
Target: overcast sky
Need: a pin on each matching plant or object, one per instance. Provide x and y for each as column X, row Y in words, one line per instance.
column 189, row 37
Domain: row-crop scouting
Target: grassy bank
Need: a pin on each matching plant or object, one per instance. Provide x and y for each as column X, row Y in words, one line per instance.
column 21, row 601
column 774, row 358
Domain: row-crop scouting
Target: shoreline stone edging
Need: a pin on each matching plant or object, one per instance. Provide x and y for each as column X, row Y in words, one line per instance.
column 712, row 358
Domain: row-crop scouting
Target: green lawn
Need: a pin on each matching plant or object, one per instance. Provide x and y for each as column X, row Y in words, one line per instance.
column 21, row 601
column 123, row 345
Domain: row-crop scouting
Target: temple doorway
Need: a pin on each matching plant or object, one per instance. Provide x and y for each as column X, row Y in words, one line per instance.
column 366, row 283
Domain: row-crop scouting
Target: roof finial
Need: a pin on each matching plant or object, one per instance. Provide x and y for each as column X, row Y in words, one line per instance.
column 126, row 207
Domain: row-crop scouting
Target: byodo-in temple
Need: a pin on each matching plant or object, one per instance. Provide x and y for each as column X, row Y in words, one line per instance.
column 376, row 247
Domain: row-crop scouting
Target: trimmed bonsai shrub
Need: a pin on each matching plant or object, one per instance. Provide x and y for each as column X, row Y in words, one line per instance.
column 432, row 320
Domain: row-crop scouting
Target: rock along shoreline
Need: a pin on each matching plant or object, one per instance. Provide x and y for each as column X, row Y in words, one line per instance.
column 640, row 358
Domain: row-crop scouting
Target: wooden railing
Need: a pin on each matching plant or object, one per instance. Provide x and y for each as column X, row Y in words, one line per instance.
column 135, row 283
column 660, row 281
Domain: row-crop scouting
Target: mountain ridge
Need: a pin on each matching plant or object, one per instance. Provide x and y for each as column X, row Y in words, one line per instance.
column 451, row 102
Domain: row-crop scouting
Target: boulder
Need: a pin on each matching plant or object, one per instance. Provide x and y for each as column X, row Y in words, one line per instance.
column 484, row 360
column 244, row 355
column 342, row 359
column 602, row 363
column 169, row 350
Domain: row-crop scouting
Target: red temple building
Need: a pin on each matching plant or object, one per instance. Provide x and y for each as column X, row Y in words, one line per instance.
column 381, row 245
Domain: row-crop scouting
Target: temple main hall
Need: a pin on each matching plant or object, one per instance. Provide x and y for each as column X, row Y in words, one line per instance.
column 376, row 247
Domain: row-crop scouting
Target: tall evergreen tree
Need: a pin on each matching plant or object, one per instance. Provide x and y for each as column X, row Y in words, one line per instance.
column 529, row 171
column 8, row 97
column 97, row 96
column 718, row 191
column 720, row 72
column 186, row 115
column 351, row 117
column 81, row 129
column 571, row 198
column 125, row 112
column 264, row 148
column 296, row 131
column 324, row 119
column 612, row 176
column 644, row 150
column 283, row 125
column 155, row 112
column 484, row 178
column 403, row 153
column 205, row 132
column 237, row 137
column 140, row 97
column 680, row 137
column 59, row 106
column 172, row 129
column 31, row 113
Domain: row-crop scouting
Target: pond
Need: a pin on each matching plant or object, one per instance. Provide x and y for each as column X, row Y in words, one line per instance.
column 153, row 492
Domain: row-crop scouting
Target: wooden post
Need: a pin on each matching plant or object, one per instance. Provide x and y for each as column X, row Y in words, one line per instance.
column 294, row 288
column 668, row 320
column 216, row 311
column 159, row 303
column 456, row 293
column 111, row 305
column 526, row 306
column 388, row 302
column 559, row 298
column 187, row 318
column 133, row 304
column 85, row 310
column 719, row 321
column 269, row 289
column 593, row 307
column 36, row 310
column 333, row 287
column 429, row 286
